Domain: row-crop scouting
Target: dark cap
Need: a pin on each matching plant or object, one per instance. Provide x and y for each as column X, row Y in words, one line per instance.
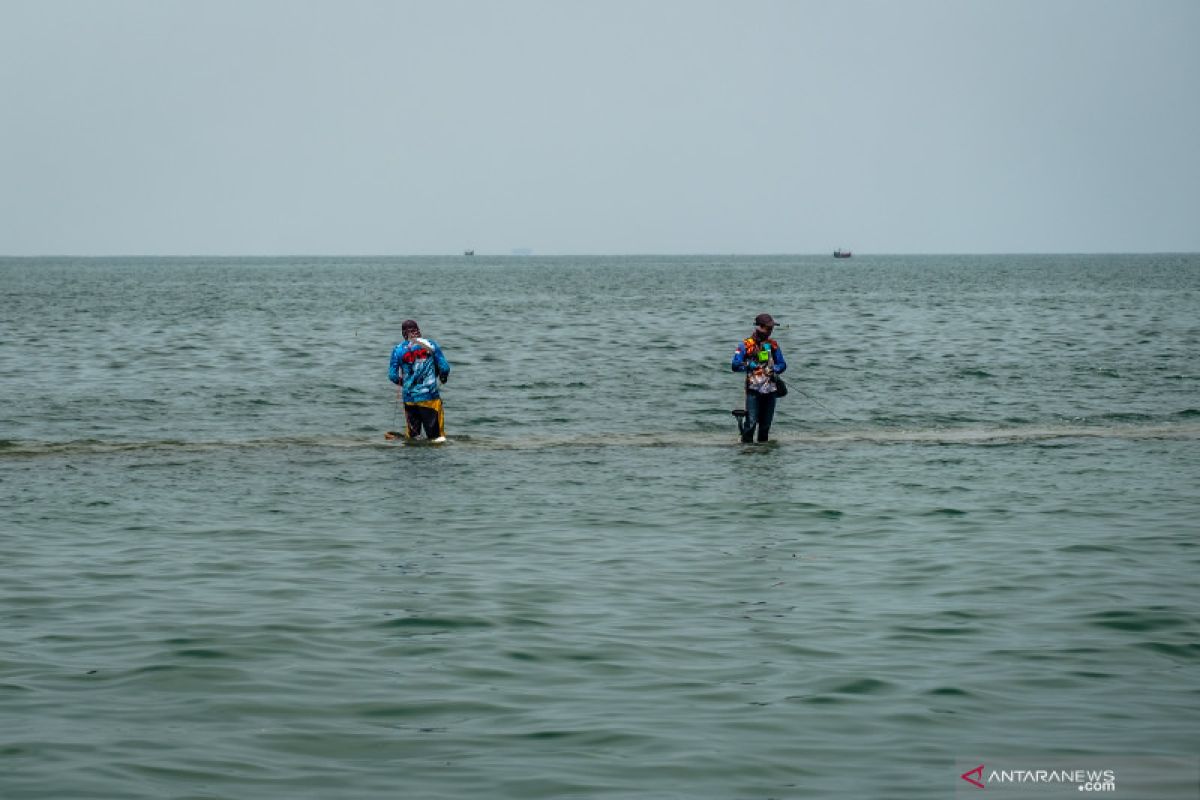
column 766, row 320
column 409, row 325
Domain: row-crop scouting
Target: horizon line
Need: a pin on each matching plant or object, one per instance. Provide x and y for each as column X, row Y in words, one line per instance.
column 724, row 254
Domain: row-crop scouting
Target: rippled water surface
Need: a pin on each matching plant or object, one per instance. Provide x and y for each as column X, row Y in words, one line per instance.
column 974, row 536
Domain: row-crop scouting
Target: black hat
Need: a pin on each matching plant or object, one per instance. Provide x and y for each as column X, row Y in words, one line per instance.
column 766, row 320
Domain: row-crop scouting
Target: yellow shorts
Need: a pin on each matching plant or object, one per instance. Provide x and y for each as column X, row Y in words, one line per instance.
column 427, row 415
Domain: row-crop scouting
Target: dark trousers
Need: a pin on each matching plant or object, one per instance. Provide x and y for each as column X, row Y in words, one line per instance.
column 760, row 410
column 427, row 416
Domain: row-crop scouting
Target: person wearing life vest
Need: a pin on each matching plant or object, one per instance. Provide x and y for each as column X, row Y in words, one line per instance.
column 417, row 366
column 760, row 358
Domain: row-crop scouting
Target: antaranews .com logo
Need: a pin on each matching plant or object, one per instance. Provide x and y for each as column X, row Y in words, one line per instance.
column 1172, row 777
column 1085, row 780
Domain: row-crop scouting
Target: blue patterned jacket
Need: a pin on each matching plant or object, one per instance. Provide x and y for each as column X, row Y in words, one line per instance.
column 759, row 360
column 419, row 363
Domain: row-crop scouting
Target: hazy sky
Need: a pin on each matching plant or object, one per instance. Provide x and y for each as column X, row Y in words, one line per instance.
column 598, row 126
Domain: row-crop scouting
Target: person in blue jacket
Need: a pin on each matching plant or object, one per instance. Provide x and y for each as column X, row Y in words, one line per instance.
column 417, row 366
column 760, row 358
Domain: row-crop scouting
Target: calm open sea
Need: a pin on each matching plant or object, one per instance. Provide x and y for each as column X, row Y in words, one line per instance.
column 974, row 538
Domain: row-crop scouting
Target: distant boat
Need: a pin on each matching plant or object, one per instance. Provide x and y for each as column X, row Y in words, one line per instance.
column 840, row 253
column 468, row 252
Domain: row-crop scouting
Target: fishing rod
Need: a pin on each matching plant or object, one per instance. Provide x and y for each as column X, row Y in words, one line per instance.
column 740, row 414
column 827, row 409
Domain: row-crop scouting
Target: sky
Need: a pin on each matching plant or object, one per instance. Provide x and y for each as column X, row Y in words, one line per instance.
column 373, row 127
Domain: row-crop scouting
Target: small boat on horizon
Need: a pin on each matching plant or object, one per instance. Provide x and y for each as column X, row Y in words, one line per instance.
column 468, row 252
column 840, row 253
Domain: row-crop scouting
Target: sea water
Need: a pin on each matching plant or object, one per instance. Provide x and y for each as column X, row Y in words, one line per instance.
column 973, row 536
